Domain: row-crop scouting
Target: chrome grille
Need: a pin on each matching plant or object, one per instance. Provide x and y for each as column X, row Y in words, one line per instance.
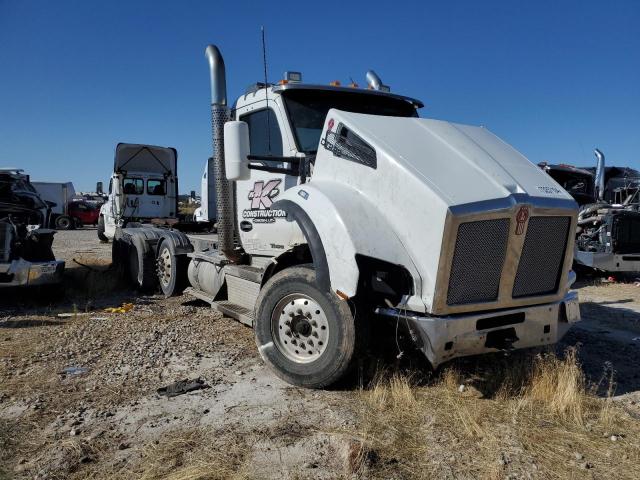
column 542, row 256
column 477, row 261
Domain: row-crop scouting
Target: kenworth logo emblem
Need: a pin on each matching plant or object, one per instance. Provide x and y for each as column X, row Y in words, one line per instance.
column 521, row 219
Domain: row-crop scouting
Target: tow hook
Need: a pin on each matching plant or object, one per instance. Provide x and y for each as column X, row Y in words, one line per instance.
column 502, row 339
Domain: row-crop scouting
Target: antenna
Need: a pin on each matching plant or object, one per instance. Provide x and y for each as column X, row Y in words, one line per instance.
column 266, row 93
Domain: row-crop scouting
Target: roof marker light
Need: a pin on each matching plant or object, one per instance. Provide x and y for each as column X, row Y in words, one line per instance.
column 293, row 77
column 335, row 83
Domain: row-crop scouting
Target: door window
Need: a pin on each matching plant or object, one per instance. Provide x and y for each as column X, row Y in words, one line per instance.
column 264, row 132
column 155, row 187
column 133, row 186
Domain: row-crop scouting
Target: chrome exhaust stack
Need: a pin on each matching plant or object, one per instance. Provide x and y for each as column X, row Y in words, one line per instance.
column 220, row 114
column 375, row 82
column 599, row 178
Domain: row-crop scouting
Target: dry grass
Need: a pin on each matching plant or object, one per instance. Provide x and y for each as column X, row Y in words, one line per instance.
column 195, row 454
column 538, row 418
column 187, row 209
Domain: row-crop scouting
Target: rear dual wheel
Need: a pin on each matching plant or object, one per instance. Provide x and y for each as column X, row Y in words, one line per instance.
column 171, row 270
column 305, row 334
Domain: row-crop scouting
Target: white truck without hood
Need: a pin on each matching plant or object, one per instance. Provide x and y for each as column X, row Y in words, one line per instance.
column 338, row 205
column 143, row 186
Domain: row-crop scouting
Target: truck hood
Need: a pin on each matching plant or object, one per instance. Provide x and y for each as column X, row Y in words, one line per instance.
column 461, row 164
column 131, row 157
column 421, row 179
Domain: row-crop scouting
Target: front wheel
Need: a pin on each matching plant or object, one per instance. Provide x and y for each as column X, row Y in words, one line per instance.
column 305, row 334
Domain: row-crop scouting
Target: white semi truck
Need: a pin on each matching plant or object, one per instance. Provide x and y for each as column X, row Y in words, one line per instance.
column 143, row 187
column 339, row 205
column 206, row 212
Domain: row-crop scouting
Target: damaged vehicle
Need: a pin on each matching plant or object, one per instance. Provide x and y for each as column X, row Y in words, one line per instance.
column 339, row 208
column 26, row 257
column 608, row 233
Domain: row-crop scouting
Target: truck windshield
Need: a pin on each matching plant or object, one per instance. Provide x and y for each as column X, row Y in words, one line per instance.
column 308, row 109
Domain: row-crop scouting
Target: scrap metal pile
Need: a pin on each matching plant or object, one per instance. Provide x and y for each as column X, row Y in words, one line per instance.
column 26, row 256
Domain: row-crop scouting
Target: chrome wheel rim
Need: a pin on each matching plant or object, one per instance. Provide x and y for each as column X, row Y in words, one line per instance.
column 299, row 328
column 164, row 266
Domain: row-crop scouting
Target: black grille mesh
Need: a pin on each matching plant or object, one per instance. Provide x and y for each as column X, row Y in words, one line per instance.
column 542, row 256
column 477, row 261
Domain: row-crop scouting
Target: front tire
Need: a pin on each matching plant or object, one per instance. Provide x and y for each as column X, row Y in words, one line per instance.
column 305, row 334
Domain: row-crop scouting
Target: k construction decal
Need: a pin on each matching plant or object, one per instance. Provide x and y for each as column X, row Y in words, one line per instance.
column 261, row 197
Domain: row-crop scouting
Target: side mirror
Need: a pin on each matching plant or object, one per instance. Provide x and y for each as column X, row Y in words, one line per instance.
column 236, row 150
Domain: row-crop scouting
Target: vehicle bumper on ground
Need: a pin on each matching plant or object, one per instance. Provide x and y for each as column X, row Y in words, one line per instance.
column 22, row 273
column 444, row 338
column 609, row 262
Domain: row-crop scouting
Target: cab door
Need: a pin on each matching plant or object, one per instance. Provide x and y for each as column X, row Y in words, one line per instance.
column 264, row 230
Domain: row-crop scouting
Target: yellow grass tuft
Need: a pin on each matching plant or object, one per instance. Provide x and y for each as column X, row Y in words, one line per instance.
column 530, row 417
column 559, row 386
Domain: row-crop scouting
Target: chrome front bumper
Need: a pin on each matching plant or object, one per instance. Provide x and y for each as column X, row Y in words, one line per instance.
column 444, row 338
column 22, row 272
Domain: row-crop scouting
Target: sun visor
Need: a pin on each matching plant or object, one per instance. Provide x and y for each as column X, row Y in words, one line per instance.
column 145, row 158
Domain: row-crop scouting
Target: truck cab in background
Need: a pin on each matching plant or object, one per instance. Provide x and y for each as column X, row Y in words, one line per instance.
column 143, row 187
column 206, row 212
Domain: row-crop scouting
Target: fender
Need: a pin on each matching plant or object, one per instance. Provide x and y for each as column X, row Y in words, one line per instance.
column 338, row 223
column 144, row 239
column 180, row 242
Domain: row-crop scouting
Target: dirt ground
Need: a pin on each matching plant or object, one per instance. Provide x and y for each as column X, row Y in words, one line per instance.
column 79, row 399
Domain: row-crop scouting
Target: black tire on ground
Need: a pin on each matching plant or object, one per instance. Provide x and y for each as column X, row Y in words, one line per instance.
column 172, row 269
column 101, row 235
column 120, row 257
column 147, row 262
column 64, row 222
column 321, row 345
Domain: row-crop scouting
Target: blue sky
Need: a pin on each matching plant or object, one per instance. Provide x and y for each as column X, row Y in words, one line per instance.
column 553, row 78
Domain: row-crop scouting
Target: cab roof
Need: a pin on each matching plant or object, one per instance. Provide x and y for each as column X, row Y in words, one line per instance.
column 308, row 86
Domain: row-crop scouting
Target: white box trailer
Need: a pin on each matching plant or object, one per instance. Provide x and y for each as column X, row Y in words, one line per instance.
column 59, row 193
